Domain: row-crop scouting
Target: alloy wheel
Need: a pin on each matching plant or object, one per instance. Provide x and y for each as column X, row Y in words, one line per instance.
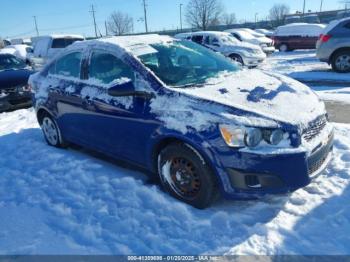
column 50, row 131
column 343, row 63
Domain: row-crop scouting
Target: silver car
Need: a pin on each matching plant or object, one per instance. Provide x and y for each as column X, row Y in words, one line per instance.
column 333, row 46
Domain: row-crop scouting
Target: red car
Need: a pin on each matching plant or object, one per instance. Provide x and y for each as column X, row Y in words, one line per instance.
column 297, row 36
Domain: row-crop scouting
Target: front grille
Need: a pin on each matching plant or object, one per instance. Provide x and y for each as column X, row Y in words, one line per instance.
column 317, row 164
column 314, row 128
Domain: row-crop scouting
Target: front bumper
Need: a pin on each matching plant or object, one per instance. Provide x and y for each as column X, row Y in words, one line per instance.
column 269, row 49
column 15, row 101
column 253, row 175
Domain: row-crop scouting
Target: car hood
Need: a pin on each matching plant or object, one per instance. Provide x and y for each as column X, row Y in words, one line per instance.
column 12, row 78
column 266, row 94
column 241, row 45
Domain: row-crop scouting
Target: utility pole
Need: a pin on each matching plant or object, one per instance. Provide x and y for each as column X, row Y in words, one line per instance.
column 304, row 7
column 36, row 26
column 106, row 28
column 181, row 17
column 145, row 14
column 321, row 6
column 94, row 18
column 256, row 20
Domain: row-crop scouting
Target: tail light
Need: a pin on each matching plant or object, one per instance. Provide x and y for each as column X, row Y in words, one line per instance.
column 325, row 38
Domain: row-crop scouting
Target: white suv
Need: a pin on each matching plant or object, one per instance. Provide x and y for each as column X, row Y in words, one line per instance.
column 243, row 53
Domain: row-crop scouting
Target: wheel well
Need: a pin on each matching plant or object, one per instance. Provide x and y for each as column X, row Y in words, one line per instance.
column 338, row 51
column 167, row 141
column 41, row 114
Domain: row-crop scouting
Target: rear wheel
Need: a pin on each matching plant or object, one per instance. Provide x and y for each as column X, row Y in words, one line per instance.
column 283, row 48
column 186, row 176
column 341, row 62
column 51, row 132
column 237, row 58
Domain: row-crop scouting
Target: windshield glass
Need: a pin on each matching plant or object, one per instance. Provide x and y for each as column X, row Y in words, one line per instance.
column 227, row 39
column 184, row 63
column 10, row 62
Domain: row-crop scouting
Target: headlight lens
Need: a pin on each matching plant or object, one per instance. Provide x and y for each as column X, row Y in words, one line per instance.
column 250, row 137
column 253, row 137
column 274, row 137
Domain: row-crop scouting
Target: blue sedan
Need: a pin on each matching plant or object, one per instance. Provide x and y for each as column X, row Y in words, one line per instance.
column 203, row 128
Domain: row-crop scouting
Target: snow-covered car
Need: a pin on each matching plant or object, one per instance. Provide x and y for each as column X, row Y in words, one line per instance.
column 47, row 47
column 297, row 36
column 207, row 128
column 23, row 52
column 243, row 53
column 14, row 90
column 291, row 19
column 252, row 37
column 265, row 32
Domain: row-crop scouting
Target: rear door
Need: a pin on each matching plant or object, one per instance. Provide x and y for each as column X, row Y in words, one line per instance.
column 65, row 83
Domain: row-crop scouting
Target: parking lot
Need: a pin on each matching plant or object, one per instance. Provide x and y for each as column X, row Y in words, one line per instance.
column 78, row 202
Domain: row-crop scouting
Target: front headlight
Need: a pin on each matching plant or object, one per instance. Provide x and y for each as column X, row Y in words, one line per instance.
column 250, row 137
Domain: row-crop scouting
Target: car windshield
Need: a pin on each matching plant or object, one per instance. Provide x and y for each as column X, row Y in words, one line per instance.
column 184, row 63
column 227, row 39
column 8, row 62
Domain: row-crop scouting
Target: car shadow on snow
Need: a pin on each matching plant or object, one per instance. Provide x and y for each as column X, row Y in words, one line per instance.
column 94, row 201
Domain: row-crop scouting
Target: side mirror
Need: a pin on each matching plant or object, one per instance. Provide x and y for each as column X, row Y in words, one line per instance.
column 127, row 89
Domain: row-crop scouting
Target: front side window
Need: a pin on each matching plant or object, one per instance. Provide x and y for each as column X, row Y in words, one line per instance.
column 107, row 68
column 68, row 65
column 184, row 63
column 197, row 39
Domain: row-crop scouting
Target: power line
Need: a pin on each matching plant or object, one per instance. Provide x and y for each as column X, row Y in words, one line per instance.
column 93, row 16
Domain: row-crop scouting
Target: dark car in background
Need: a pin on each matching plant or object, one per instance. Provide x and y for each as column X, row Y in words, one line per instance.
column 333, row 46
column 297, row 36
column 14, row 90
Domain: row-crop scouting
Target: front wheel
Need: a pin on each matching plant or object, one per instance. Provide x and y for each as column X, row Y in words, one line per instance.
column 283, row 48
column 51, row 132
column 186, row 176
column 237, row 58
column 341, row 62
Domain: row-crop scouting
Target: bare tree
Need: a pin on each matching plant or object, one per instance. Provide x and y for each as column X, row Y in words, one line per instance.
column 120, row 23
column 203, row 13
column 229, row 19
column 278, row 13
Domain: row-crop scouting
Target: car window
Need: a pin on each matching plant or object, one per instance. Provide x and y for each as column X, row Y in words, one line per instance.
column 347, row 25
column 108, row 68
column 64, row 42
column 197, row 38
column 207, row 40
column 68, row 65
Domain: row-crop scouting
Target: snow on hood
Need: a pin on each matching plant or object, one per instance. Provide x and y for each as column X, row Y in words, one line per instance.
column 271, row 95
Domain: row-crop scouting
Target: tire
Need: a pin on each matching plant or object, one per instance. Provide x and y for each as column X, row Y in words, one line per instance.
column 341, row 62
column 283, row 48
column 186, row 176
column 51, row 131
column 237, row 58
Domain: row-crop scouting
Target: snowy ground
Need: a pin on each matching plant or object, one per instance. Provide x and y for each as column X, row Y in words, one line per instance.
column 68, row 202
column 304, row 66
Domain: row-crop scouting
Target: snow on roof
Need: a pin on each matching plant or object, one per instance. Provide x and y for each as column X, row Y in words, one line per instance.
column 302, row 29
column 128, row 41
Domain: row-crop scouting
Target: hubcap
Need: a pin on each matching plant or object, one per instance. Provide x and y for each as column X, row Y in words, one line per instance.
column 185, row 179
column 283, row 48
column 343, row 62
column 50, row 131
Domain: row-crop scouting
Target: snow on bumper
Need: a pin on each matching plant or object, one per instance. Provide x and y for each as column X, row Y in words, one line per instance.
column 249, row 173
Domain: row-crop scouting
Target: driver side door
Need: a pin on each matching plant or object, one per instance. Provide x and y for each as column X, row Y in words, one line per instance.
column 111, row 122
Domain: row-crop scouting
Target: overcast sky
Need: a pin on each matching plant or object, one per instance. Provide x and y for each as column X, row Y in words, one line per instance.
column 73, row 16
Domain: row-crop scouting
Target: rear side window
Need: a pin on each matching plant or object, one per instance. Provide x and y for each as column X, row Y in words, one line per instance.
column 107, row 68
column 197, row 38
column 68, row 65
column 63, row 42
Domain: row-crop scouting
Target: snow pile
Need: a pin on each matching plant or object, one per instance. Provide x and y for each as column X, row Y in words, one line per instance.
column 75, row 203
